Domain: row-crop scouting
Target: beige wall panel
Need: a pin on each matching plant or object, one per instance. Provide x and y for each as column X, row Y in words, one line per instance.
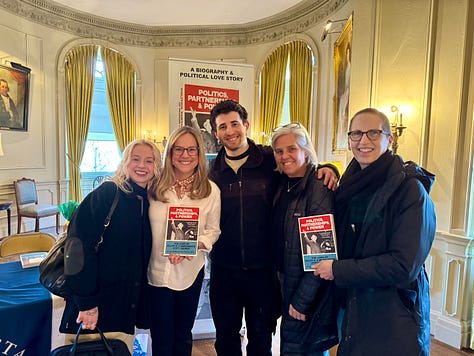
column 13, row 44
column 400, row 63
column 446, row 104
column 18, row 46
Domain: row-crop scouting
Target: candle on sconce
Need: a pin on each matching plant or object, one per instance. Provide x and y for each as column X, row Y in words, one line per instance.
column 150, row 135
column 395, row 109
column 401, row 122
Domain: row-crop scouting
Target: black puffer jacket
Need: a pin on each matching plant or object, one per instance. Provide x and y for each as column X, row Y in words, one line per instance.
column 114, row 278
column 307, row 293
column 387, row 308
column 246, row 198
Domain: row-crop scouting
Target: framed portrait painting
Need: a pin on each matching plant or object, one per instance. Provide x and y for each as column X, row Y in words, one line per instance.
column 14, row 89
column 342, row 72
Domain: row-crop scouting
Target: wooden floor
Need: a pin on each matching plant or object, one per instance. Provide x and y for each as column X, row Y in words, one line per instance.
column 206, row 348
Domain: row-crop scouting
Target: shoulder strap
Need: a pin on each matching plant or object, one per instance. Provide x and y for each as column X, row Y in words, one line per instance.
column 108, row 218
column 112, row 209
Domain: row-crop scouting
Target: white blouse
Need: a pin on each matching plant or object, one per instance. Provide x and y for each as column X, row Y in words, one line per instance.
column 161, row 273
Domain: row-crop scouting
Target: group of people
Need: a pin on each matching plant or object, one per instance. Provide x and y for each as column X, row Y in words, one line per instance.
column 373, row 300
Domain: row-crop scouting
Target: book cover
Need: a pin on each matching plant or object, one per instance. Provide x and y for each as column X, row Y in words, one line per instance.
column 318, row 239
column 182, row 231
column 198, row 102
column 32, row 259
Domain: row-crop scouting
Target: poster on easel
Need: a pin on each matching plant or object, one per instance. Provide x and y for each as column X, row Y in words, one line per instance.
column 197, row 86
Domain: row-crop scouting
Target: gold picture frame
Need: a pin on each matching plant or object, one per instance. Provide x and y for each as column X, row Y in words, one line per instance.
column 342, row 74
column 14, row 91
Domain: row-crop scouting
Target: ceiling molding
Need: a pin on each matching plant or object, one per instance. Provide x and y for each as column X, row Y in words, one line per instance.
column 295, row 20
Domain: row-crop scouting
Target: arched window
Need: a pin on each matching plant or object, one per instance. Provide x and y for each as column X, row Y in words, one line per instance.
column 100, row 113
column 102, row 154
column 286, row 83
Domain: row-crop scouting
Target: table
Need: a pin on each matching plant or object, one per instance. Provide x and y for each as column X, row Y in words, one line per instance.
column 29, row 315
column 6, row 205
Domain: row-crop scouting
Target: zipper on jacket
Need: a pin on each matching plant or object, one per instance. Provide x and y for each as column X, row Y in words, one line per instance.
column 139, row 197
column 242, row 248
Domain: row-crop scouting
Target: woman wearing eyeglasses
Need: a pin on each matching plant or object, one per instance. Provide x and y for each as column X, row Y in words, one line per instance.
column 308, row 325
column 385, row 222
column 176, row 278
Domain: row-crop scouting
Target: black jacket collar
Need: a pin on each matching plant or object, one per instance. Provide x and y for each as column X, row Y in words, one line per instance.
column 255, row 158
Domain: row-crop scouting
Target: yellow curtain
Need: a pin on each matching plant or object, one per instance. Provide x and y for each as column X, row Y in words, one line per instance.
column 301, row 82
column 272, row 89
column 79, row 72
column 120, row 77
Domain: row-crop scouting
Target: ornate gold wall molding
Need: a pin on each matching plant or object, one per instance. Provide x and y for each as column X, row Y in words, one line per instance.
column 296, row 20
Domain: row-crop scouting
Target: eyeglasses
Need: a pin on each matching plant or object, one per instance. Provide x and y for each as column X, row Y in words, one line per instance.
column 192, row 151
column 372, row 135
column 290, row 126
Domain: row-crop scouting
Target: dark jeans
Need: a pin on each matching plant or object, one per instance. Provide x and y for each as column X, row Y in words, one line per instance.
column 172, row 318
column 231, row 293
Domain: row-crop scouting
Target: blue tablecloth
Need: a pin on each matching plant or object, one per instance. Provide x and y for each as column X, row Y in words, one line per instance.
column 25, row 312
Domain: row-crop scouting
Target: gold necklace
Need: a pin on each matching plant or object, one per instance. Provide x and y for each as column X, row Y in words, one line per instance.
column 294, row 185
column 184, row 185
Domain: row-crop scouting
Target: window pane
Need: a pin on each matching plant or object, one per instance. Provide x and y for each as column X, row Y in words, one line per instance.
column 285, row 115
column 101, row 155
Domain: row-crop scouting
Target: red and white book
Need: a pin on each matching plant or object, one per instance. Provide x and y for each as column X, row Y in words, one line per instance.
column 182, row 231
column 318, row 239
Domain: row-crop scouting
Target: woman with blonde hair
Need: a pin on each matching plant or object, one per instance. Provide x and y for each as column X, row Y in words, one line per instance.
column 108, row 276
column 176, row 280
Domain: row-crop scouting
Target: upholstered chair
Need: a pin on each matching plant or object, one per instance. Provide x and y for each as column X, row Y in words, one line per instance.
column 27, row 204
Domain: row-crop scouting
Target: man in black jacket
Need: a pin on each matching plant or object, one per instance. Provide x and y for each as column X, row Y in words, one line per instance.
column 242, row 272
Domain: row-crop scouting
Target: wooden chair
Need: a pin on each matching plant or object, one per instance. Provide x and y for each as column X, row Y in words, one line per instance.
column 99, row 180
column 27, row 204
column 26, row 242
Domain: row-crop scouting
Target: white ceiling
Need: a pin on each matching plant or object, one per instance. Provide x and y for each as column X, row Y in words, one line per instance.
column 181, row 12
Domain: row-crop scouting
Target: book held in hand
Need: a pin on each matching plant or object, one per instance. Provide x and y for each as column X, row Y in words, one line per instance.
column 318, row 239
column 182, row 231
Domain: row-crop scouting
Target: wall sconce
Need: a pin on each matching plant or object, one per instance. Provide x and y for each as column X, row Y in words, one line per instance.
column 266, row 138
column 151, row 136
column 327, row 28
column 396, row 127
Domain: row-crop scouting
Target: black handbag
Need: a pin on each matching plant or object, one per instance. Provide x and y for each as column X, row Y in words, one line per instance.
column 51, row 269
column 102, row 347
